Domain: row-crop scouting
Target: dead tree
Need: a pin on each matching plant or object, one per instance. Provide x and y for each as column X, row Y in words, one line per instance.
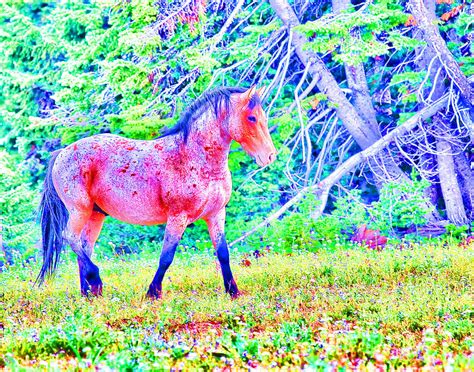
column 450, row 139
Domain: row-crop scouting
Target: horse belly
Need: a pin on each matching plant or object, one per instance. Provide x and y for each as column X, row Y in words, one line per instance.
column 129, row 200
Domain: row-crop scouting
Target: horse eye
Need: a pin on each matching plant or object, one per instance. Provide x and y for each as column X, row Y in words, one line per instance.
column 253, row 119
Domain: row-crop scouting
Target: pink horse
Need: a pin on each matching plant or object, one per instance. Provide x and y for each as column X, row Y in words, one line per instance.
column 179, row 178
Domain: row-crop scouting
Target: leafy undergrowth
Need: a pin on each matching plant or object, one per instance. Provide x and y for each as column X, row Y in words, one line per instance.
column 351, row 308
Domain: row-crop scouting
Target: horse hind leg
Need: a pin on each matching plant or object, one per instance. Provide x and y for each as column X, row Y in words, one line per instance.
column 91, row 231
column 89, row 236
column 81, row 233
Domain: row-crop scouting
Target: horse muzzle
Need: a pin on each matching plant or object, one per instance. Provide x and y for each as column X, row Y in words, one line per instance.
column 264, row 160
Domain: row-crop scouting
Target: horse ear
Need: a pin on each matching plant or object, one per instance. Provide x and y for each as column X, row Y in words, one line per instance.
column 261, row 91
column 250, row 93
column 249, row 97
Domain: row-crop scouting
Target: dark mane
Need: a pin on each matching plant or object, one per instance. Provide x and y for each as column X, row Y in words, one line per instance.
column 217, row 99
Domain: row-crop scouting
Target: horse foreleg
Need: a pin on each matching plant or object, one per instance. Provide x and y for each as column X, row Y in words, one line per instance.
column 215, row 225
column 173, row 233
column 80, row 240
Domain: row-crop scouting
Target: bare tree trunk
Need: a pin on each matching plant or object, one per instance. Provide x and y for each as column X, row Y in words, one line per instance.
column 2, row 250
column 326, row 82
column 426, row 22
column 384, row 167
column 449, row 184
column 364, row 133
column 431, row 62
column 466, row 184
column 357, row 81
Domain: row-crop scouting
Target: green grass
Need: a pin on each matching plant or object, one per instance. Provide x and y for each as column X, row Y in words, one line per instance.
column 352, row 307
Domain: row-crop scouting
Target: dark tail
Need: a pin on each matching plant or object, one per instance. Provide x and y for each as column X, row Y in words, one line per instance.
column 53, row 217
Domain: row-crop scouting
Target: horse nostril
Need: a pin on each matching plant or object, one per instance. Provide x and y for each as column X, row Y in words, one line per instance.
column 272, row 157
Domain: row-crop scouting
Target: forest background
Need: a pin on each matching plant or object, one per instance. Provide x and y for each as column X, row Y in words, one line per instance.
column 352, row 251
column 369, row 106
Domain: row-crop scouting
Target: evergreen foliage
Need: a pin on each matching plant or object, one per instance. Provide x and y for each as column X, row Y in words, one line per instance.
column 74, row 69
column 317, row 293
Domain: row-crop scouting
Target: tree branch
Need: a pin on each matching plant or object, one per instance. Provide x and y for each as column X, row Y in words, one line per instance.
column 362, row 132
column 433, row 38
column 322, row 189
column 218, row 37
column 357, row 81
column 325, row 80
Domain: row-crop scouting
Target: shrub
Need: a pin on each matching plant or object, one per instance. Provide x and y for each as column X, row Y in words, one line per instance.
column 18, row 202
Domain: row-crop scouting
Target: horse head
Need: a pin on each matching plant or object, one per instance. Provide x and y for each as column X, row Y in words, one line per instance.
column 248, row 126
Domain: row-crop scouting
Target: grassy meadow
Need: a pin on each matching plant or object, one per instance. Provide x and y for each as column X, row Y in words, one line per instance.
column 350, row 308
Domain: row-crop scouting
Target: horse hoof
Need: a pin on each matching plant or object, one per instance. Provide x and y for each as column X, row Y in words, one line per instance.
column 92, row 291
column 96, row 290
column 232, row 289
column 235, row 294
column 153, row 295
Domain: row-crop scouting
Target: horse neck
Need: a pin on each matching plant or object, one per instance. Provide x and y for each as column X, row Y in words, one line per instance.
column 209, row 135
